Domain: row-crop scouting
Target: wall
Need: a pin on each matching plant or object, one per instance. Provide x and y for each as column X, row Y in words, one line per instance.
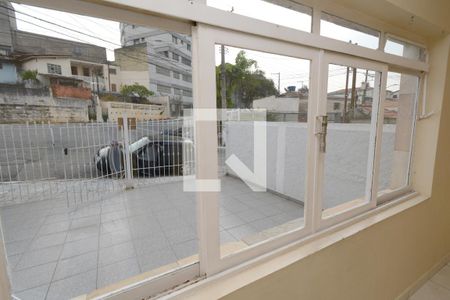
column 40, row 64
column 36, row 106
column 63, row 91
column 345, row 164
column 8, row 72
column 384, row 260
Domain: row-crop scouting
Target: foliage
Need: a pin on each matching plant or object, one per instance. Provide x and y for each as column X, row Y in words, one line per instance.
column 29, row 75
column 244, row 82
column 135, row 90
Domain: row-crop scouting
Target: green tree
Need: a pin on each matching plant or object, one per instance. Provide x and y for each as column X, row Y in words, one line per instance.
column 135, row 90
column 29, row 75
column 244, row 82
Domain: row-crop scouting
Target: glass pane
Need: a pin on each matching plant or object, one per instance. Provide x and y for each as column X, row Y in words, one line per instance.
column 405, row 49
column 252, row 84
column 347, row 31
column 351, row 96
column 280, row 12
column 86, row 202
column 398, row 125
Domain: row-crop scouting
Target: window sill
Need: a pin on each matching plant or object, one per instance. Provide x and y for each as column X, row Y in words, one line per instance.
column 235, row 278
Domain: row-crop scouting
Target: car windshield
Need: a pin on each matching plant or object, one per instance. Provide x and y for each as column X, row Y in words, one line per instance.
column 139, row 143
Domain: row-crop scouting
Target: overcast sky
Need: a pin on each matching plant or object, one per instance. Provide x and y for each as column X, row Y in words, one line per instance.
column 292, row 71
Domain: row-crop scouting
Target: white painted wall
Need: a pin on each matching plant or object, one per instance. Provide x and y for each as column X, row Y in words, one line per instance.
column 40, row 64
column 345, row 164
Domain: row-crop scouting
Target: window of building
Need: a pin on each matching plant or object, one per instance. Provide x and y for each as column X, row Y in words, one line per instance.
column 349, row 32
column 188, row 46
column 398, row 128
column 405, row 49
column 186, row 61
column 176, row 75
column 187, row 77
column 162, row 71
column 187, row 93
column 164, row 89
column 177, row 91
column 86, row 72
column 53, row 69
column 166, row 53
column 174, row 39
column 175, row 57
column 1, row 66
column 112, row 71
column 113, row 87
column 74, row 70
column 295, row 15
column 336, row 106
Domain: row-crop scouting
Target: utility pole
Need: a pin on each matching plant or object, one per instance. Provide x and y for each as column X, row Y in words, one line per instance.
column 346, row 96
column 353, row 103
column 223, row 93
column 223, row 79
column 279, row 79
column 365, row 86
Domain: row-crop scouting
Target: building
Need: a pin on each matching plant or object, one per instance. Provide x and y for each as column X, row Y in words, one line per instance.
column 8, row 71
column 159, row 60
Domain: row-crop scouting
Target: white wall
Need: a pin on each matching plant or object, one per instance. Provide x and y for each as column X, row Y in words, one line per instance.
column 40, row 64
column 345, row 164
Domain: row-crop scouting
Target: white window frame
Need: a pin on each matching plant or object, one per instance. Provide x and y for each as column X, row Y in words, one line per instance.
column 206, row 38
column 162, row 13
column 370, row 197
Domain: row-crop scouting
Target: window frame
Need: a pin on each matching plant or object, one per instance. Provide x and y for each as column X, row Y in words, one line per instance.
column 374, row 141
column 181, row 19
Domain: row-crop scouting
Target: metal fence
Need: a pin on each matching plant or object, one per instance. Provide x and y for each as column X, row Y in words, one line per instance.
column 39, row 161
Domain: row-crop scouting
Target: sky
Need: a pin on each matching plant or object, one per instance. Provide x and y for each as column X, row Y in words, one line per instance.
column 291, row 71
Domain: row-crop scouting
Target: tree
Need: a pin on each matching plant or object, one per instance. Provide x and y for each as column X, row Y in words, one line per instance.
column 245, row 82
column 135, row 90
column 29, row 75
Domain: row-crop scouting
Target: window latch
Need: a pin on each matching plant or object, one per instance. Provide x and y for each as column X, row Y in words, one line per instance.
column 321, row 126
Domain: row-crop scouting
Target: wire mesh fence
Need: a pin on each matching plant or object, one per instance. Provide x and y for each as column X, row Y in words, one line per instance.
column 84, row 162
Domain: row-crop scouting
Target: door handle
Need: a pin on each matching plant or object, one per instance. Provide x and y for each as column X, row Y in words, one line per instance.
column 321, row 126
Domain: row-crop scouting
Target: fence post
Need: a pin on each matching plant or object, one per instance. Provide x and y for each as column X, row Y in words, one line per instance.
column 126, row 141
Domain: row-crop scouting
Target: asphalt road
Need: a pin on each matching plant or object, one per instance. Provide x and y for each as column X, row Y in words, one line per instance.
column 61, row 151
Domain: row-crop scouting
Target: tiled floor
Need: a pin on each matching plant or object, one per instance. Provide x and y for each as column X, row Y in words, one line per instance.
column 56, row 252
column 437, row 288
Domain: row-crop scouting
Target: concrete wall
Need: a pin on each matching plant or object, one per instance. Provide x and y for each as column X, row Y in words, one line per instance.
column 22, row 108
column 345, row 163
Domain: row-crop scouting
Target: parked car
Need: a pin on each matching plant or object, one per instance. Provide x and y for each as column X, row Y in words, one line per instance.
column 160, row 155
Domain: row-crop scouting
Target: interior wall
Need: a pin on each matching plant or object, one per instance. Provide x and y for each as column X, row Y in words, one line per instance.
column 384, row 260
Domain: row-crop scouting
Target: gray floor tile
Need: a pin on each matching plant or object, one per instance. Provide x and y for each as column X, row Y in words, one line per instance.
column 230, row 221
column 115, row 215
column 250, row 215
column 39, row 257
column 114, row 225
column 186, row 249
column 17, row 247
column 114, row 238
column 85, row 222
column 178, row 235
column 79, row 247
column 82, row 233
column 156, row 259
column 116, row 253
column 118, row 271
column 242, row 231
column 37, row 293
column 54, row 228
column 148, row 245
column 32, row 277
column 57, row 218
column 48, row 240
column 13, row 260
column 76, row 265
column 72, row 286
